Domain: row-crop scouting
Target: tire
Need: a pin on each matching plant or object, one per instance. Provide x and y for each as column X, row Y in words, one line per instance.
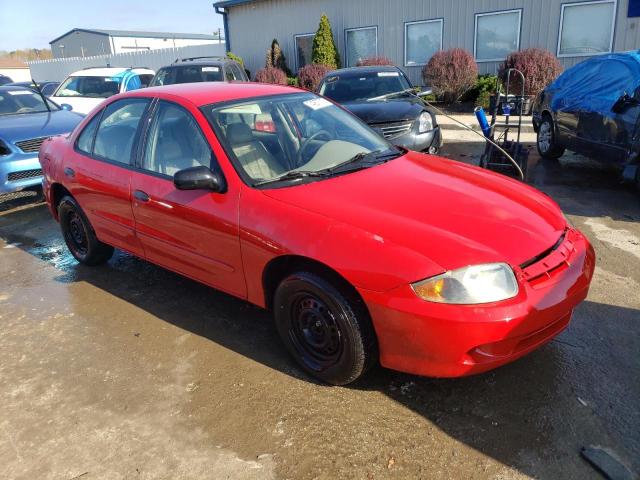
column 329, row 334
column 546, row 142
column 79, row 235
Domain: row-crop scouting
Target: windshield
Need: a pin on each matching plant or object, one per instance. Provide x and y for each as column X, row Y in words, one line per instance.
column 287, row 137
column 92, row 87
column 188, row 74
column 22, row 101
column 363, row 86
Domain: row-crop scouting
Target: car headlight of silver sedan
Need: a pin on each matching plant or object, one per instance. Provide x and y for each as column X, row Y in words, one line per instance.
column 475, row 284
column 425, row 122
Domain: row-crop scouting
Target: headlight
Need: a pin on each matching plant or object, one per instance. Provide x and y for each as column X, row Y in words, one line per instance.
column 487, row 283
column 425, row 122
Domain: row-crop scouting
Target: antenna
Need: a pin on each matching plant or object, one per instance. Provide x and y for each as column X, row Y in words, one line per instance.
column 39, row 90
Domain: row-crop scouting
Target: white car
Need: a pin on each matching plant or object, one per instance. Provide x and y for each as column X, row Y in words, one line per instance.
column 85, row 89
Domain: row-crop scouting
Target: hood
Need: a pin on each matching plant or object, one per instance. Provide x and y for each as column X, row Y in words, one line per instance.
column 14, row 128
column 386, row 111
column 449, row 212
column 81, row 105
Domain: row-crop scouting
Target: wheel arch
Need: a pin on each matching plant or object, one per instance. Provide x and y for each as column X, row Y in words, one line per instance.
column 280, row 267
column 58, row 192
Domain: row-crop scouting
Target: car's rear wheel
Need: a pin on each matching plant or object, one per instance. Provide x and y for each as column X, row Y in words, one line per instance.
column 79, row 235
column 546, row 141
column 328, row 333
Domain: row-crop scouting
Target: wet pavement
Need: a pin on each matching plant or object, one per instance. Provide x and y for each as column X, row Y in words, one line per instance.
column 129, row 371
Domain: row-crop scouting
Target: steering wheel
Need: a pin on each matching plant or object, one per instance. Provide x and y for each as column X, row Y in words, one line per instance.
column 308, row 141
column 25, row 110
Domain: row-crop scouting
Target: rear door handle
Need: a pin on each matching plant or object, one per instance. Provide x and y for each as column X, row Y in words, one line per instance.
column 141, row 196
column 69, row 172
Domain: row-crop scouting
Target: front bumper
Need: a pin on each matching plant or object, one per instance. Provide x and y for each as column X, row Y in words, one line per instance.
column 440, row 340
column 420, row 142
column 19, row 172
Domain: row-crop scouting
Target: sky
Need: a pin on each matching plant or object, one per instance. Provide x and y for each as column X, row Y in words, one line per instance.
column 34, row 23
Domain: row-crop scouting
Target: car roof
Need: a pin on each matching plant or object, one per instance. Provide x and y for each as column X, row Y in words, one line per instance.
column 8, row 88
column 355, row 71
column 205, row 93
column 108, row 71
column 203, row 62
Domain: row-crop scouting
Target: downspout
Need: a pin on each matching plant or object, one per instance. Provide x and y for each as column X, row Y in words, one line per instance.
column 225, row 23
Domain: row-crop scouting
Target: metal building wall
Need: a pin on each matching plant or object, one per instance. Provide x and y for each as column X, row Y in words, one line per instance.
column 253, row 25
column 79, row 44
column 58, row 69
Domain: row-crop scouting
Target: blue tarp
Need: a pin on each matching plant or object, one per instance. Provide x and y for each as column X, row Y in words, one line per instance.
column 130, row 79
column 595, row 84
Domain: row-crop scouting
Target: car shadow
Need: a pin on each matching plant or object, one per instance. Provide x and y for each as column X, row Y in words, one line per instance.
column 532, row 415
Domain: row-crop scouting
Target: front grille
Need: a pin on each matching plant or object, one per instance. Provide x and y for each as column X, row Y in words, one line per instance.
column 392, row 130
column 32, row 145
column 17, row 176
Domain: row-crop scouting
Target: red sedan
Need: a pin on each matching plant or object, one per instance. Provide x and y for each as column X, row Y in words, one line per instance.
column 365, row 252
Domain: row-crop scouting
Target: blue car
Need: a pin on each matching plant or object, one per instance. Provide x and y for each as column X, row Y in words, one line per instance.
column 25, row 122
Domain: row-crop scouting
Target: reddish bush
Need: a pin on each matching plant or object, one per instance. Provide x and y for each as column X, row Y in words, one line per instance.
column 373, row 61
column 309, row 76
column 271, row 75
column 450, row 73
column 539, row 66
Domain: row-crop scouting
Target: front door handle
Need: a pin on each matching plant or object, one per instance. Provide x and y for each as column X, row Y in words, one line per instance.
column 69, row 172
column 141, row 196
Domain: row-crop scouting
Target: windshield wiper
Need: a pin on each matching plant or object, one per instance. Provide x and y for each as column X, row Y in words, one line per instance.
column 389, row 95
column 291, row 175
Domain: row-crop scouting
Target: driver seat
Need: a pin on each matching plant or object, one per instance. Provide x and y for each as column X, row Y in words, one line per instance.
column 251, row 153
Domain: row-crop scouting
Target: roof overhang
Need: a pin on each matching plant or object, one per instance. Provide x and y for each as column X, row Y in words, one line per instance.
column 231, row 3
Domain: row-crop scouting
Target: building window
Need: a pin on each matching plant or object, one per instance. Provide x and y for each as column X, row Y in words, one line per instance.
column 360, row 43
column 304, row 49
column 497, row 35
column 421, row 41
column 586, row 28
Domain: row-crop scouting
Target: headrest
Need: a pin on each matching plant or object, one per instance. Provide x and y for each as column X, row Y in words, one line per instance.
column 238, row 133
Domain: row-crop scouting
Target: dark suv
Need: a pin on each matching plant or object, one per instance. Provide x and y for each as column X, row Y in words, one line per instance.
column 200, row 69
column 383, row 97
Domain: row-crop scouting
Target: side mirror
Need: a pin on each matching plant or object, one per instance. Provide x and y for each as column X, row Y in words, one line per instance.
column 66, row 106
column 199, row 178
column 623, row 102
column 425, row 92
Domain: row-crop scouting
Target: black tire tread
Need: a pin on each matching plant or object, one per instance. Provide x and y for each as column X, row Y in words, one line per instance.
column 99, row 252
column 366, row 352
column 555, row 151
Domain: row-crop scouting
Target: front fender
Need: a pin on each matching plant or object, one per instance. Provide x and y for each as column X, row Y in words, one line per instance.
column 270, row 228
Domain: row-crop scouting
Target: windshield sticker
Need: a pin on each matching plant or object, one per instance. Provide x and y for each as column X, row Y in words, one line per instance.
column 317, row 103
column 20, row 92
column 210, row 69
column 388, row 74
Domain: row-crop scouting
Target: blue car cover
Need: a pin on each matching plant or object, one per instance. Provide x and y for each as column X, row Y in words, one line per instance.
column 596, row 84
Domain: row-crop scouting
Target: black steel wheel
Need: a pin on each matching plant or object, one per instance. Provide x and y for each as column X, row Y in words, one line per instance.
column 328, row 333
column 546, row 140
column 79, row 235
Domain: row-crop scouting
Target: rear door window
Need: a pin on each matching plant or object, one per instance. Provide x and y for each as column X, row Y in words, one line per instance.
column 118, row 130
column 85, row 140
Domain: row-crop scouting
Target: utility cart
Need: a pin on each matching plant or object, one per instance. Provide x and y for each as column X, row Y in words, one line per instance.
column 505, row 129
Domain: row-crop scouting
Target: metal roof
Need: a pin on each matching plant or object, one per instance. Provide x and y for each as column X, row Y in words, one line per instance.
column 133, row 33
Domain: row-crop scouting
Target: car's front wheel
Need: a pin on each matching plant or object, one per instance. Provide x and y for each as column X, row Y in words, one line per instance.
column 546, row 141
column 79, row 235
column 328, row 333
